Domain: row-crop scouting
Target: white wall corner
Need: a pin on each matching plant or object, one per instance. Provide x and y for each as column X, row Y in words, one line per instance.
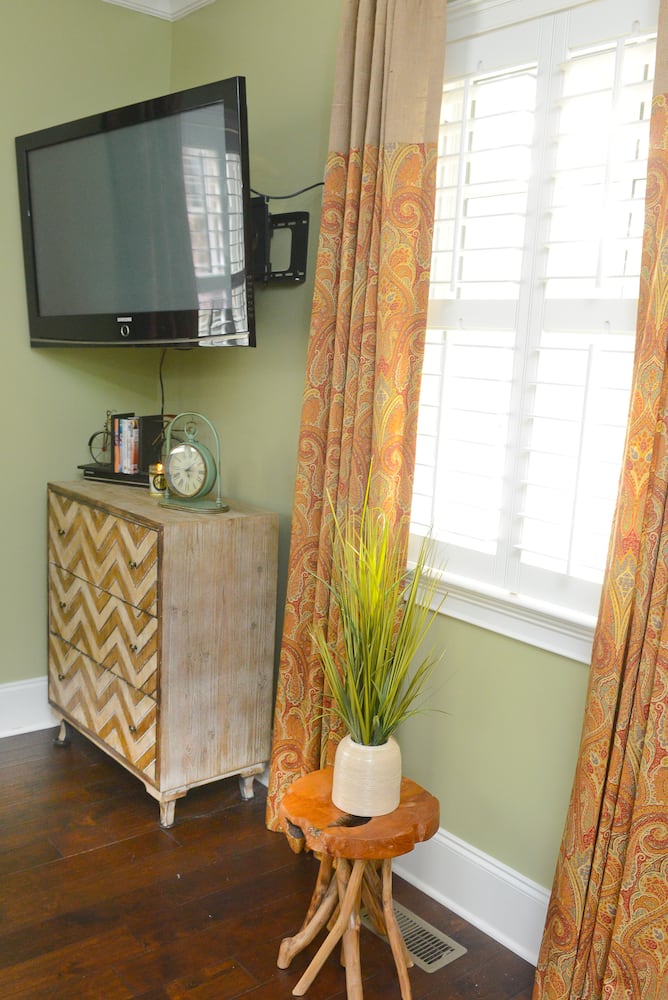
column 24, row 707
column 169, row 10
column 494, row 898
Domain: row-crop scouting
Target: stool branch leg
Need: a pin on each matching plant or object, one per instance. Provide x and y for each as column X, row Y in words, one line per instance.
column 313, row 924
column 372, row 897
column 351, row 934
column 401, row 958
column 322, row 884
column 350, row 903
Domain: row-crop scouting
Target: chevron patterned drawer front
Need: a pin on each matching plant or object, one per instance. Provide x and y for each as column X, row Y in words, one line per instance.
column 161, row 634
column 121, row 716
column 107, row 630
column 115, row 554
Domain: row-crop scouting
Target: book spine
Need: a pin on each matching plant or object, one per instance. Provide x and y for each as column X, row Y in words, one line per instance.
column 124, row 445
column 117, row 444
column 134, row 445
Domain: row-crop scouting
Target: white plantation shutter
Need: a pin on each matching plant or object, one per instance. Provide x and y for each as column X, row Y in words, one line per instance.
column 535, row 273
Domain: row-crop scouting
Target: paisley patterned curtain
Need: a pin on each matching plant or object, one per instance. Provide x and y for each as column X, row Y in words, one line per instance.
column 606, row 934
column 367, row 330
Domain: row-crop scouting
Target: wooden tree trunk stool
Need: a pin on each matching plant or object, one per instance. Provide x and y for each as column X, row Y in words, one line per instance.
column 353, row 851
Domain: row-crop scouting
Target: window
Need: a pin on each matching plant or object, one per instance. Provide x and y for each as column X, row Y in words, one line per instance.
column 535, row 273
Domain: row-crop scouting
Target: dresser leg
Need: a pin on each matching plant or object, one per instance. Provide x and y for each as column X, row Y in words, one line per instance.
column 246, row 782
column 63, row 737
column 167, row 813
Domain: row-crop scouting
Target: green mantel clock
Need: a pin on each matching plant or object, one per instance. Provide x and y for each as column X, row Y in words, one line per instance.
column 191, row 469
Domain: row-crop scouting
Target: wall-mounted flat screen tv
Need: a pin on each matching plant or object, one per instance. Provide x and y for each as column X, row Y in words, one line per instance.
column 136, row 224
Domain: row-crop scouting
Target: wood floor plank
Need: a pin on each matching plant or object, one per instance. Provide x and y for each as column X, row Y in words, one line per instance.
column 189, row 966
column 211, row 981
column 98, row 902
column 77, row 970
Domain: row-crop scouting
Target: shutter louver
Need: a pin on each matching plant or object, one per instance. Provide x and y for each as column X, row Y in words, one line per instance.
column 535, row 275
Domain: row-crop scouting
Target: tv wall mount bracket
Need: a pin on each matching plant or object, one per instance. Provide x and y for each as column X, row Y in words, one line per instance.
column 265, row 224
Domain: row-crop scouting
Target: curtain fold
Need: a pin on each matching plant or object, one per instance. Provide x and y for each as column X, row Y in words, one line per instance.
column 606, row 934
column 366, row 344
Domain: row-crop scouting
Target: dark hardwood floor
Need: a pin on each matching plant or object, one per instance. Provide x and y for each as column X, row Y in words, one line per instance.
column 97, row 901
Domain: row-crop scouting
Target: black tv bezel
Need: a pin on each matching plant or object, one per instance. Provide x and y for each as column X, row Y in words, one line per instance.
column 175, row 328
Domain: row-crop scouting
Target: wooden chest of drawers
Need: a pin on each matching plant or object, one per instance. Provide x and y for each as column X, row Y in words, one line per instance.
column 161, row 634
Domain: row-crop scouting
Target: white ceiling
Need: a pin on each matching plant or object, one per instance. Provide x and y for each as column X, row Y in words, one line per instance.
column 169, row 10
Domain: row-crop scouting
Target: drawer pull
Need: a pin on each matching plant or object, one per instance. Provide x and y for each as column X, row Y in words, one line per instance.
column 133, row 647
column 62, row 604
column 61, row 677
column 133, row 729
column 61, row 532
column 133, row 564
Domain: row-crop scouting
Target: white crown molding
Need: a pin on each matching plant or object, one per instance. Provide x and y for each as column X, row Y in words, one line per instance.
column 169, row 10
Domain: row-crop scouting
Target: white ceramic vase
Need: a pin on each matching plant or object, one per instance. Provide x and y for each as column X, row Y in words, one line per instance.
column 367, row 780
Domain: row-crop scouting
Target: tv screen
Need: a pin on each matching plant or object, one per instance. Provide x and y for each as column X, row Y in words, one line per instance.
column 136, row 224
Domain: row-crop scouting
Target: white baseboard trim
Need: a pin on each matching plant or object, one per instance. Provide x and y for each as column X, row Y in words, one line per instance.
column 24, row 707
column 498, row 900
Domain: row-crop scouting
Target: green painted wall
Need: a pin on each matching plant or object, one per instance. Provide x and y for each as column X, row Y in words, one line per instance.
column 502, row 758
column 58, row 61
column 286, row 52
column 499, row 749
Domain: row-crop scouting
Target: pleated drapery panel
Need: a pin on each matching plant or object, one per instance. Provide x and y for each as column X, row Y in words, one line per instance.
column 606, row 934
column 368, row 323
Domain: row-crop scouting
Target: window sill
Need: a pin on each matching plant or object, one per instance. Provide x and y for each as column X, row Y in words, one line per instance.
column 545, row 626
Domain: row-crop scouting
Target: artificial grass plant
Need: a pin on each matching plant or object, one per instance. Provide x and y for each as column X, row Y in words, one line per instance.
column 385, row 611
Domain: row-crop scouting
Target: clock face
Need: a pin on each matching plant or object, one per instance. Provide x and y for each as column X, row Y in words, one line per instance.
column 186, row 471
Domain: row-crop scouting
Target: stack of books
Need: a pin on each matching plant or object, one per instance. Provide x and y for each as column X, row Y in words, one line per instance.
column 126, row 444
column 137, row 444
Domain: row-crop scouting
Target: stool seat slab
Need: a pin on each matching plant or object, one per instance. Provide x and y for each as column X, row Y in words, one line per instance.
column 326, row 829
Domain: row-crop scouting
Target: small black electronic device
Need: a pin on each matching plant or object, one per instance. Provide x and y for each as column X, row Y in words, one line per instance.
column 137, row 224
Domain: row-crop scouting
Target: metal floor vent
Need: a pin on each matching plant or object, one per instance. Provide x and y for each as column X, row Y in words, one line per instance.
column 429, row 948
